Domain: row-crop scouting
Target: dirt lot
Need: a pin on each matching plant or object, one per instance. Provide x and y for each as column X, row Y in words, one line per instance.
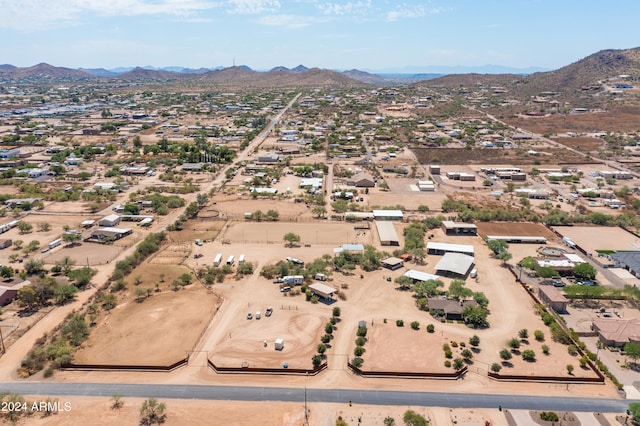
column 616, row 120
column 519, row 229
column 592, row 238
column 288, row 209
column 310, row 233
column 584, row 144
column 393, row 348
column 83, row 254
column 169, row 324
column 300, row 330
column 87, row 411
column 463, row 156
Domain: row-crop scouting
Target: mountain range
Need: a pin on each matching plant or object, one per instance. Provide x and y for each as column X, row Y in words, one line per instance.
column 598, row 66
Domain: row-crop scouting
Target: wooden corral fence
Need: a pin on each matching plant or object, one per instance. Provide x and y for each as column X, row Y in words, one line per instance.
column 119, row 367
column 265, row 370
column 408, row 374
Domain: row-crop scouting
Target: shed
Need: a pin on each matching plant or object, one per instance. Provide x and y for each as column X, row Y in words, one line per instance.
column 109, row 221
column 552, row 298
column 392, row 263
column 322, row 290
column 420, row 276
column 454, row 228
column 455, row 265
column 88, row 223
column 387, row 233
column 387, row 214
column 279, row 344
column 442, row 248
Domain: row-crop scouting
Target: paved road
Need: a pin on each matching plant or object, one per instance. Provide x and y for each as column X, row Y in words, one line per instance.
column 245, row 393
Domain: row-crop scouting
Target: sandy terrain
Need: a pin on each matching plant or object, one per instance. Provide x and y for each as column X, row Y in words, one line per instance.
column 301, row 332
column 288, row 210
column 85, row 410
column 335, row 233
column 592, row 238
column 520, row 229
column 83, row 254
column 168, row 323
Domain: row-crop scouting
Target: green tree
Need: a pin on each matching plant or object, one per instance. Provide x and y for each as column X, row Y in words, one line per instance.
column 497, row 246
column 429, row 288
column 33, row 266
column 71, row 238
column 634, row 409
column 474, row 340
column 64, row 293
column 108, row 301
column 319, row 211
column 290, row 238
column 632, row 350
column 316, row 360
column 82, row 276
column 415, row 325
column 570, row 369
column 514, row 343
column 389, row 421
column 66, row 264
column 505, row 354
column 458, row 291
column 152, row 412
column 458, row 363
column 116, row 402
column 322, row 348
column 27, row 297
column 475, row 316
column 523, row 334
column 539, row 335
column 411, row 418
column 44, row 226
column 24, row 227
column 495, row 367
column 336, row 311
column 528, row 355
column 76, row 329
column 6, row 272
column 584, row 270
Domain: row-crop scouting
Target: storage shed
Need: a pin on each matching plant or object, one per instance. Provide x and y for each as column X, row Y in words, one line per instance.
column 279, row 344
column 322, row 290
column 109, row 221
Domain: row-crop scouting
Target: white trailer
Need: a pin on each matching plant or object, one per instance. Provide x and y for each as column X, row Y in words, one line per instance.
column 55, row 243
column 293, row 279
column 241, row 259
column 230, row 260
column 217, row 260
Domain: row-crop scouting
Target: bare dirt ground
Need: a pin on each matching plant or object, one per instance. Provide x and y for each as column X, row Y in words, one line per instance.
column 87, row 410
column 516, row 229
column 393, row 348
column 448, row 156
column 300, row 330
column 203, row 229
column 618, row 119
column 581, row 143
column 83, row 254
column 288, row 209
column 592, row 238
column 317, row 232
column 158, row 331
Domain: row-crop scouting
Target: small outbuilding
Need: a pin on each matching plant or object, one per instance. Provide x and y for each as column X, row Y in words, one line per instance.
column 362, row 180
column 109, row 221
column 279, row 344
column 322, row 290
column 552, row 298
column 392, row 263
column 442, row 248
column 453, row 228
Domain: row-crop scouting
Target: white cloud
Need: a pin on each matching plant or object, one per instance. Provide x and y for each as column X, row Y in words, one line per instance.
column 34, row 15
column 405, row 11
column 348, row 8
column 287, row 21
column 252, row 7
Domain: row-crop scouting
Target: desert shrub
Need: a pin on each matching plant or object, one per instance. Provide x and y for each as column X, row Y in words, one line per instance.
column 400, row 323
column 431, row 328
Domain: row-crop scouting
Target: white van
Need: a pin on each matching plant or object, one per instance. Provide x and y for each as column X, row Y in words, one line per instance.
column 230, row 260
column 474, row 273
column 241, row 259
column 257, row 315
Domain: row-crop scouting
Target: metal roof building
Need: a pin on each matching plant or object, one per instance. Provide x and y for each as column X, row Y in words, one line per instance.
column 455, row 264
column 420, row 276
column 387, row 233
column 442, row 248
column 322, row 290
column 388, row 214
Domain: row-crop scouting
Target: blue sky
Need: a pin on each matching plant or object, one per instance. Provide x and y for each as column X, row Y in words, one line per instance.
column 363, row 34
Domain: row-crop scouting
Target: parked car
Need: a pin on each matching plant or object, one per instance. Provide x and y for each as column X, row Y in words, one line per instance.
column 285, row 289
column 249, row 316
column 557, row 283
column 268, row 312
column 587, row 282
